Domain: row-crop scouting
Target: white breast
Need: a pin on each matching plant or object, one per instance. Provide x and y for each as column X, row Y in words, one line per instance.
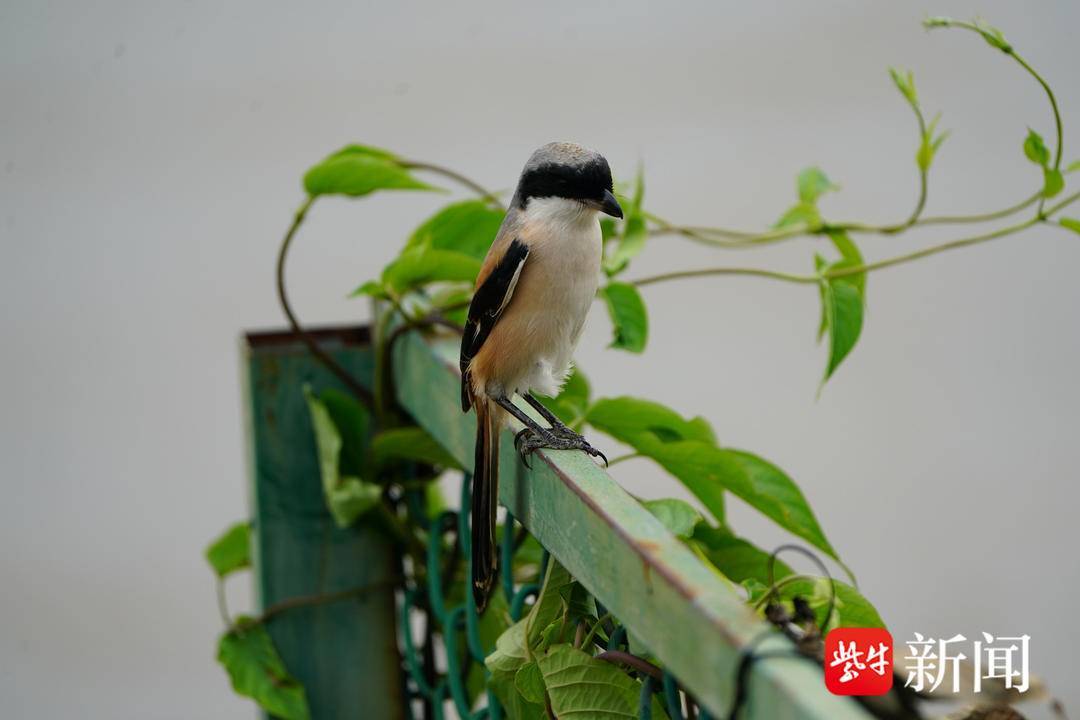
column 565, row 254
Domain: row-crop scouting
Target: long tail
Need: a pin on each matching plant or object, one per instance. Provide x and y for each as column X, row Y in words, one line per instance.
column 485, row 498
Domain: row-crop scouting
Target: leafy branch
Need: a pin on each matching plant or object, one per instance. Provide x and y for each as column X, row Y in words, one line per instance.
column 744, row 240
column 355, row 171
column 842, row 283
column 996, row 39
column 842, row 272
column 930, row 142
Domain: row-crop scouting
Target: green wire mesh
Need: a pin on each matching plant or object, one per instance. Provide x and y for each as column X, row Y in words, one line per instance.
column 462, row 621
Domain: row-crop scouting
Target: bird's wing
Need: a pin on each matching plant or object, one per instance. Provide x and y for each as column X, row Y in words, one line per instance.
column 493, row 292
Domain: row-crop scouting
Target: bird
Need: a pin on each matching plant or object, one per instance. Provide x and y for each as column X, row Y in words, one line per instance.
column 528, row 308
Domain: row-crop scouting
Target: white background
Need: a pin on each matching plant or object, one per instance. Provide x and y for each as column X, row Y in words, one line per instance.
column 150, row 156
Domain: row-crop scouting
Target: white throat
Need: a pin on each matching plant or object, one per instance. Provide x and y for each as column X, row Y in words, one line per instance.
column 560, row 214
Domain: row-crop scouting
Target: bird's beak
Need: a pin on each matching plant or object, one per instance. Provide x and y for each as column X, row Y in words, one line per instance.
column 610, row 206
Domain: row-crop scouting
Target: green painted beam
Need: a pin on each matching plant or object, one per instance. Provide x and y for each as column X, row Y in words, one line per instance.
column 345, row 653
column 687, row 615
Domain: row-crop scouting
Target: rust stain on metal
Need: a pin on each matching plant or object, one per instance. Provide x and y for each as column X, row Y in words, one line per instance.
column 646, row 577
column 648, row 546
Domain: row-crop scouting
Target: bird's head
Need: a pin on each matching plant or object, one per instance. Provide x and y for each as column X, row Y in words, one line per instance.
column 565, row 171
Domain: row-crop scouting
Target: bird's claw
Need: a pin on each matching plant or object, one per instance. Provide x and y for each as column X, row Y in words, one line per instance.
column 578, row 442
column 519, row 444
column 528, row 441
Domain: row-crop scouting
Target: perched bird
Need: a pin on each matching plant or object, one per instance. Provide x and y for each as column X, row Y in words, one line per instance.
column 532, row 295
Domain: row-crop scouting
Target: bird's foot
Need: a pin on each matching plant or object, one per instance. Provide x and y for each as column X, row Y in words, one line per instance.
column 529, row 440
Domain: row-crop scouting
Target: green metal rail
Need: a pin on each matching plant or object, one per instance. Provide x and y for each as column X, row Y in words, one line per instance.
column 688, row 616
column 681, row 610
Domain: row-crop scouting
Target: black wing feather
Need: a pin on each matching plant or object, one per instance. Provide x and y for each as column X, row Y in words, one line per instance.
column 487, row 305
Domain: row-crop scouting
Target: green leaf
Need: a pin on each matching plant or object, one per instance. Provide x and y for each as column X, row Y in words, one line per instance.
column 585, row 688
column 1053, row 182
column 925, row 155
column 353, row 424
column 687, row 450
column 704, row 469
column 577, row 603
column 572, row 402
column 812, row 184
column 738, row 559
column 935, row 144
column 844, row 310
column 608, row 228
column 769, row 489
column 842, row 304
column 800, row 214
column 1035, row 149
column 627, row 418
column 358, row 170
column 422, row 265
column 634, row 230
column 1073, row 166
column 628, row 316
column 1071, row 224
column 256, row 671
column 514, row 705
column 352, row 498
column 662, row 434
column 632, row 242
column 510, row 653
column 452, row 301
column 347, row 497
column 937, row 21
column 849, row 252
column 466, row 227
column 562, row 602
column 232, row 550
column 851, row 608
column 530, row 682
column 850, row 256
column 905, row 83
column 930, row 144
column 553, row 634
column 372, row 288
column 327, row 437
column 551, row 604
column 993, row 36
column 409, row 443
column 678, row 516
